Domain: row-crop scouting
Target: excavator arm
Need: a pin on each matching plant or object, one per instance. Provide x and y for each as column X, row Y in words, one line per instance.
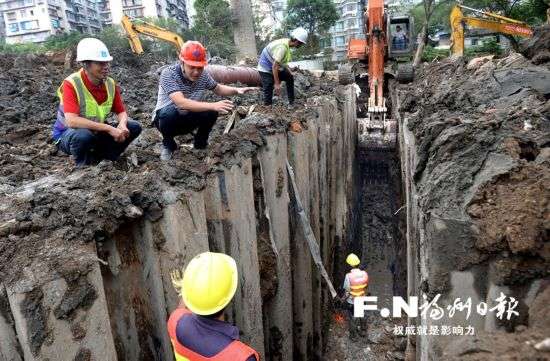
column 491, row 21
column 132, row 30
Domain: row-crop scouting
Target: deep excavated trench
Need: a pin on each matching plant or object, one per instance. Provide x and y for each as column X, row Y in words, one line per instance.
column 115, row 307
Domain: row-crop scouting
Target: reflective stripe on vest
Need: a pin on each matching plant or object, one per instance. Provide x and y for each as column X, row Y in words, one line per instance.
column 358, row 281
column 235, row 351
column 89, row 108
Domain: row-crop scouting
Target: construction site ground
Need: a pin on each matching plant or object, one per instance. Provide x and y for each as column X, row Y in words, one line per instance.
column 482, row 144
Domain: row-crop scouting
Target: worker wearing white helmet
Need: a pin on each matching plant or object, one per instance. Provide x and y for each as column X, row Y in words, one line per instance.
column 273, row 65
column 86, row 98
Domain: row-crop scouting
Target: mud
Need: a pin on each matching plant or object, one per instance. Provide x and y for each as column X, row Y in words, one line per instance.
column 481, row 179
column 35, row 315
column 67, row 206
column 476, row 160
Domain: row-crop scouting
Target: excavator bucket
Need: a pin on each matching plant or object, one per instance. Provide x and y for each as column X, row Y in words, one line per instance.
column 376, row 133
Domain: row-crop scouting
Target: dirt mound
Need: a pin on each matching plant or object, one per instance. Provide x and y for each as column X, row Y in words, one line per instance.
column 483, row 179
column 538, row 45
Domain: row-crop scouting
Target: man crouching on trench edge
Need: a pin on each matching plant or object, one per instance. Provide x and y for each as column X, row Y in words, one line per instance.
column 180, row 107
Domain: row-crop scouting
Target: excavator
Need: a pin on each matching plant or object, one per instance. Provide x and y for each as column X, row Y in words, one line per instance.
column 486, row 20
column 133, row 28
column 386, row 51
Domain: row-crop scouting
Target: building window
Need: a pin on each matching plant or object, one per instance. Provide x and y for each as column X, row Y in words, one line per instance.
column 29, row 25
column 11, row 16
column 29, row 2
column 23, row 13
column 339, row 26
column 55, row 24
column 128, row 3
column 134, row 12
column 340, row 41
column 351, row 23
column 13, row 27
column 350, row 7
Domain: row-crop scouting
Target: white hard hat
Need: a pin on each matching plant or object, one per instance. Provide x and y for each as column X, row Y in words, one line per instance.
column 299, row 34
column 92, row 49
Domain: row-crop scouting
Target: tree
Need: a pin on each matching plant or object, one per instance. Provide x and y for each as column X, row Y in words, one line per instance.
column 428, row 7
column 212, row 28
column 243, row 30
column 316, row 16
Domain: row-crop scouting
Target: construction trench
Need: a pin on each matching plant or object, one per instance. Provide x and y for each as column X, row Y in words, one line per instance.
column 459, row 209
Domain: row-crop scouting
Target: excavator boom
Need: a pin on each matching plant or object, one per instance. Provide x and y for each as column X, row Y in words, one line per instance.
column 132, row 30
column 491, row 21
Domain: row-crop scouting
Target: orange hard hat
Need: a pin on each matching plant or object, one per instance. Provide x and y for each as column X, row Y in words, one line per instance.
column 193, row 53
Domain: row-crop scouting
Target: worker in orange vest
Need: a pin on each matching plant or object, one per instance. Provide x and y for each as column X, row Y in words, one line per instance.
column 355, row 285
column 197, row 328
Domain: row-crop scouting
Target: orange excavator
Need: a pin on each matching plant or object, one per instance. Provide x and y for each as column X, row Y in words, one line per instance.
column 386, row 51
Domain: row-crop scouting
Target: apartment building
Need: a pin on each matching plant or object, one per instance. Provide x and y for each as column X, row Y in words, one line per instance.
column 2, row 28
column 36, row 20
column 112, row 10
column 349, row 26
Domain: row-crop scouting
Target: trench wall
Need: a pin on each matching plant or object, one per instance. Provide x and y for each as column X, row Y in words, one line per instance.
column 117, row 306
column 437, row 241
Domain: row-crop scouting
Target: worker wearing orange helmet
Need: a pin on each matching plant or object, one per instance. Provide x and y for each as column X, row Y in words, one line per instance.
column 197, row 328
column 181, row 108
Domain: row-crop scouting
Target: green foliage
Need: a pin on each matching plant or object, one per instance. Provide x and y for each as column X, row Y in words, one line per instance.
column 20, row 48
column 316, row 16
column 488, row 48
column 213, row 27
column 431, row 54
column 63, row 40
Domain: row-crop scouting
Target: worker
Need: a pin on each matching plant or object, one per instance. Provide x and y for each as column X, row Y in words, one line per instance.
column 355, row 285
column 86, row 98
column 180, row 106
column 197, row 328
column 273, row 65
column 400, row 39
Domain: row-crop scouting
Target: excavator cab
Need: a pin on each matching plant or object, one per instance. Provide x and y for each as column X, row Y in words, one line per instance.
column 401, row 47
column 401, row 40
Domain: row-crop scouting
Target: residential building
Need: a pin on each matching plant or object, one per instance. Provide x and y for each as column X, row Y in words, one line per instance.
column 349, row 26
column 112, row 10
column 2, row 28
column 36, row 20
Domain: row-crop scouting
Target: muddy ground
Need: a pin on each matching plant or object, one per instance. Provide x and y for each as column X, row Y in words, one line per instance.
column 91, row 203
column 483, row 141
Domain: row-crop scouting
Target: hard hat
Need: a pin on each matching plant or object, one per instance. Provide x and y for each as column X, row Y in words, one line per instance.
column 299, row 34
column 92, row 49
column 353, row 260
column 193, row 53
column 209, row 283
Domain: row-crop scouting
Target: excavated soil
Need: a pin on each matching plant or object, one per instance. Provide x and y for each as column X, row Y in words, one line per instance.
column 483, row 145
column 48, row 206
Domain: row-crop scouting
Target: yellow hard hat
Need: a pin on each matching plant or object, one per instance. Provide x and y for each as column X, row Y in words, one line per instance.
column 209, row 283
column 353, row 260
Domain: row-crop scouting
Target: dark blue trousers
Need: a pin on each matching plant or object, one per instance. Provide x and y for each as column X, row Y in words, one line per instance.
column 87, row 146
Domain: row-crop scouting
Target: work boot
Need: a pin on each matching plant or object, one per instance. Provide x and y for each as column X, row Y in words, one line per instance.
column 166, row 154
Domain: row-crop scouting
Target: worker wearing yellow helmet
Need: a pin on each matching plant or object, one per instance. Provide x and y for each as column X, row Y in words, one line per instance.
column 197, row 328
column 355, row 285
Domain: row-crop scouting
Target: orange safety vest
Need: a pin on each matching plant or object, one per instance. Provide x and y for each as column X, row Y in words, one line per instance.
column 235, row 351
column 358, row 281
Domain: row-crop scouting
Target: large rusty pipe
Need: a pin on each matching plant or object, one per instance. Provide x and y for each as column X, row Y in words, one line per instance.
column 234, row 74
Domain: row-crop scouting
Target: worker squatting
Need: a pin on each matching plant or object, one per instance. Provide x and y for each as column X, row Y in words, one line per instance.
column 89, row 96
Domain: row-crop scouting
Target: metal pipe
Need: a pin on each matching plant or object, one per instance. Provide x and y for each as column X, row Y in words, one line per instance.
column 234, row 74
